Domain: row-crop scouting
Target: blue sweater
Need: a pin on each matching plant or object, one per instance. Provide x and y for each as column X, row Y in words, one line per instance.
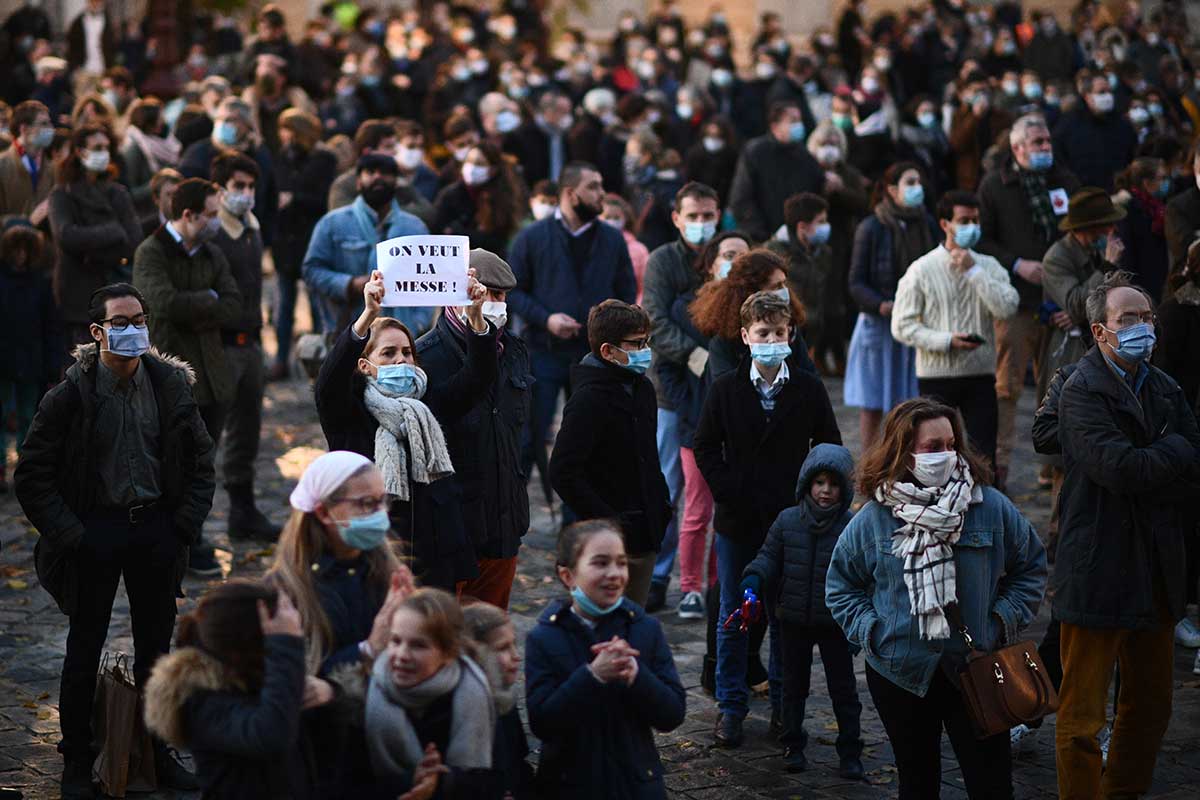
column 548, row 283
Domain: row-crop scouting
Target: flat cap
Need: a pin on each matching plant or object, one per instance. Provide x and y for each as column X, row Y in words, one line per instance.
column 492, row 271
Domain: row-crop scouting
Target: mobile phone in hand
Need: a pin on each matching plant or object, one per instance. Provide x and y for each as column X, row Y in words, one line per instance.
column 974, row 338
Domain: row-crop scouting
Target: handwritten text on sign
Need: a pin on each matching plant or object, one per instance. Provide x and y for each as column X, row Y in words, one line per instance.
column 424, row 270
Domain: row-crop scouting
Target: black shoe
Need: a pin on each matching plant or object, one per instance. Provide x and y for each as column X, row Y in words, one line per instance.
column 708, row 676
column 202, row 561
column 728, row 732
column 77, row 780
column 170, row 773
column 245, row 520
column 794, row 760
column 851, row 768
column 776, row 726
column 656, row 600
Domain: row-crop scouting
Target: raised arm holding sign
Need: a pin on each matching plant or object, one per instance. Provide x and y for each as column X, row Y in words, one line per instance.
column 375, row 290
column 424, row 270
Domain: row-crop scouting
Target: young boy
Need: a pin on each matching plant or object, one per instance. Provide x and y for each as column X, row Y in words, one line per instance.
column 790, row 571
column 809, row 261
column 755, row 431
column 543, row 200
column 605, row 459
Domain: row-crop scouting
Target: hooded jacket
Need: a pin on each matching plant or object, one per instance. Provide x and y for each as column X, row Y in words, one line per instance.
column 605, row 459
column 56, row 479
column 246, row 744
column 794, row 559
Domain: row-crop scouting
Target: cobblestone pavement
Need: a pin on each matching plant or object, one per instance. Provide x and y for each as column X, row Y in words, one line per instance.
column 32, row 636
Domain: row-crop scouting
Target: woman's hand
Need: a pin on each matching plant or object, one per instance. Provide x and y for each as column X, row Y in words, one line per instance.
column 478, row 294
column 316, row 693
column 425, row 777
column 373, row 292
column 286, row 621
column 401, row 587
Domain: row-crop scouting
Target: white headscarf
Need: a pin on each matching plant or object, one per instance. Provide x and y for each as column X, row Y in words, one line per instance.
column 324, row 477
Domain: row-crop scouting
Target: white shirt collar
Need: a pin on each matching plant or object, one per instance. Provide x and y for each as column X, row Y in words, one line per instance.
column 756, row 378
column 558, row 215
column 179, row 238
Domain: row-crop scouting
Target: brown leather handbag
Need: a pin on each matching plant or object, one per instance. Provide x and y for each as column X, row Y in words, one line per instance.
column 1006, row 687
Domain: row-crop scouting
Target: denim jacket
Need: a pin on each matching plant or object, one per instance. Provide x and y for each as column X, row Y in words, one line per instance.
column 342, row 247
column 1001, row 575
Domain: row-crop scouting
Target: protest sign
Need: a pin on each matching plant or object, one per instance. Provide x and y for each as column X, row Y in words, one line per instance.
column 424, row 270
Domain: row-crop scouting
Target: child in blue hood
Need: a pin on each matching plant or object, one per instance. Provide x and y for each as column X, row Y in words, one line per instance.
column 789, row 572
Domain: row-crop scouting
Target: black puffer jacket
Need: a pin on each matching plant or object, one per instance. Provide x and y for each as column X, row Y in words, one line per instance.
column 56, row 477
column 794, row 559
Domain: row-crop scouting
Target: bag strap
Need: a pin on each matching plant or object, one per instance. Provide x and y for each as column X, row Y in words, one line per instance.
column 954, row 617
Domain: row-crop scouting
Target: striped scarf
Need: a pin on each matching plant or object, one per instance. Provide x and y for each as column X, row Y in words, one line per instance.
column 933, row 521
column 1038, row 195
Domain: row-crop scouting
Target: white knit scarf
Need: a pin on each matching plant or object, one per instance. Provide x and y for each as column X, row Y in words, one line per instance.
column 933, row 520
column 404, row 419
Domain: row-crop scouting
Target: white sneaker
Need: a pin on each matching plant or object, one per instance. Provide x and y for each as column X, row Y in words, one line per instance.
column 1022, row 738
column 1196, row 667
column 692, row 606
column 1105, row 737
column 1187, row 634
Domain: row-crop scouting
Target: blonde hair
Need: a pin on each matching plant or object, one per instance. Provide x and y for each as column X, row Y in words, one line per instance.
column 301, row 545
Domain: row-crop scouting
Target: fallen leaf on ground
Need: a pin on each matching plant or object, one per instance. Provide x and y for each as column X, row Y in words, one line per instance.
column 17, row 584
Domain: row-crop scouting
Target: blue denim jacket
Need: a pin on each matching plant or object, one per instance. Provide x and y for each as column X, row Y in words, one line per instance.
column 1001, row 575
column 342, row 247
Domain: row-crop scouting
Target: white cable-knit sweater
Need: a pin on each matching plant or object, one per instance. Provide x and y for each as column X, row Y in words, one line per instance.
column 933, row 302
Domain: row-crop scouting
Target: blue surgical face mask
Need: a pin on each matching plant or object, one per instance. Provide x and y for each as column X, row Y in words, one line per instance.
column 1164, row 188
column 365, row 533
column 699, row 232
column 225, row 133
column 591, row 608
column 1135, row 343
column 1041, row 161
column 398, row 380
column 1100, row 242
column 926, row 119
column 639, row 360
column 131, row 342
column 770, row 354
column 913, row 195
column 723, row 268
column 783, row 294
column 820, row 234
column 966, row 235
column 796, row 132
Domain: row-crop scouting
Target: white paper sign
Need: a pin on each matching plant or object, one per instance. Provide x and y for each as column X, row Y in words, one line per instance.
column 424, row 270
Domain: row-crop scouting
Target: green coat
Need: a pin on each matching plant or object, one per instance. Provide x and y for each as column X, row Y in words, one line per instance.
column 185, row 316
column 1070, row 272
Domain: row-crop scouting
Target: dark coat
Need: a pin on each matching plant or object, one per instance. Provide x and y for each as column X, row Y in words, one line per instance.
column 1145, row 251
column 530, row 145
column 247, row 745
column 27, row 305
column 197, row 159
column 1179, row 342
column 873, row 275
column 712, row 169
column 485, row 444
column 1055, row 57
column 1007, row 227
column 751, row 462
column 456, row 212
column 794, row 559
column 308, row 176
column 77, row 43
column 1132, row 474
column 598, row 739
column 605, row 459
column 96, row 231
column 1045, row 419
column 768, row 173
column 510, row 748
column 56, row 479
column 654, row 203
column 970, row 138
column 547, row 282
column 1183, row 220
column 1094, row 147
column 432, row 522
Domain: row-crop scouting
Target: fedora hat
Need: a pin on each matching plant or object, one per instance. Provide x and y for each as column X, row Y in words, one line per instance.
column 1091, row 207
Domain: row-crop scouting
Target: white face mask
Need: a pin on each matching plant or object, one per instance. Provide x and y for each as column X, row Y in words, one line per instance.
column 474, row 174
column 409, row 158
column 495, row 312
column 542, row 210
column 933, row 469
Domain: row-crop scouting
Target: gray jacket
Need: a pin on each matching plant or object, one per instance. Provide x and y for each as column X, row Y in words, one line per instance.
column 669, row 275
column 1070, row 272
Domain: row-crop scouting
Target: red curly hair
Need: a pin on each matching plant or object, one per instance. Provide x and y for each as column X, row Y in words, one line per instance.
column 716, row 309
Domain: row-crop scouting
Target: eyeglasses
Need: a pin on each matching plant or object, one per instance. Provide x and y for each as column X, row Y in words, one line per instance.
column 364, row 505
column 1131, row 319
column 641, row 344
column 121, row 323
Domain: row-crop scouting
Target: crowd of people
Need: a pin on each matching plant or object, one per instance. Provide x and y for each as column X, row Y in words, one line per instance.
column 675, row 241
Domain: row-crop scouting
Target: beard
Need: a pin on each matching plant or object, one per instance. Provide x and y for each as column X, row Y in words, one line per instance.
column 586, row 213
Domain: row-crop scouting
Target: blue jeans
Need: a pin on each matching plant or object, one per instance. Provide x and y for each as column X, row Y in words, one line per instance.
column 732, row 695
column 672, row 470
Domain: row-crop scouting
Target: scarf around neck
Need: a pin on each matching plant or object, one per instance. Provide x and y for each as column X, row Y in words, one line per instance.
column 911, row 237
column 1156, row 209
column 403, row 420
column 392, row 741
column 1034, row 187
column 159, row 151
column 933, row 521
column 822, row 518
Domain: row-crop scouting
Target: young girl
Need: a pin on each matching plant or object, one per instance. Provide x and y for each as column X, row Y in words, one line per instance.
column 599, row 677
column 496, row 645
column 425, row 697
column 233, row 691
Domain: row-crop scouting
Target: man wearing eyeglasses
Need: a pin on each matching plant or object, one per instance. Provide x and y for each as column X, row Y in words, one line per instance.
column 117, row 476
column 1131, row 451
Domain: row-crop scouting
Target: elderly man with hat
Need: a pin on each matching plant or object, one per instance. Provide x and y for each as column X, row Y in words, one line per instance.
column 341, row 252
column 1073, row 267
column 485, row 444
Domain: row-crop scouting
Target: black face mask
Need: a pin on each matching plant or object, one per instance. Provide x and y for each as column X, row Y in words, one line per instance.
column 378, row 194
column 586, row 213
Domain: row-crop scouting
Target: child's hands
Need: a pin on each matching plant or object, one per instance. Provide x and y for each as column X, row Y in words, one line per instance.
column 615, row 661
column 286, row 621
column 426, row 775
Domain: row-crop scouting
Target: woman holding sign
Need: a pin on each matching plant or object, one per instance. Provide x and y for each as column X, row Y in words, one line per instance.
column 373, row 398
